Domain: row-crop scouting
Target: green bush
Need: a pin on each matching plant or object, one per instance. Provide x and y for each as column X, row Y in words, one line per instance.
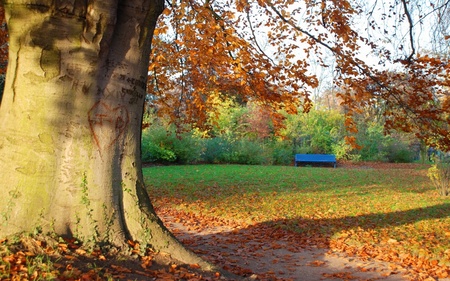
column 304, row 150
column 373, row 142
column 342, row 150
column 157, row 145
column 282, row 153
column 399, row 152
column 154, row 153
column 162, row 145
column 216, row 150
column 249, row 153
column 188, row 149
column 243, row 151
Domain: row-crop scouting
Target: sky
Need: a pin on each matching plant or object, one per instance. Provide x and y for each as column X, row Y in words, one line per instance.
column 390, row 30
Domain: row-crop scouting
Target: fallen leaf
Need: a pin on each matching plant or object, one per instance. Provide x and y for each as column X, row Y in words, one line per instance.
column 317, row 263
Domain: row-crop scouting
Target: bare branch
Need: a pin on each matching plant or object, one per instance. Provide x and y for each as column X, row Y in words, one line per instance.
column 364, row 69
column 411, row 34
column 254, row 38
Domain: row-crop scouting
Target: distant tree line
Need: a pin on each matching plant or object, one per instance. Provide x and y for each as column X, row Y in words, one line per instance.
column 249, row 134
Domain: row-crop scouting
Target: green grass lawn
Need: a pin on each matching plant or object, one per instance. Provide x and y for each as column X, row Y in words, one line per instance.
column 394, row 209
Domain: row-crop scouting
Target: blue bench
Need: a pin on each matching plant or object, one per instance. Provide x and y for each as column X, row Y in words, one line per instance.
column 315, row 158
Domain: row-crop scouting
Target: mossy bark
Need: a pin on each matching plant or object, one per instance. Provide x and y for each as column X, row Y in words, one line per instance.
column 70, row 122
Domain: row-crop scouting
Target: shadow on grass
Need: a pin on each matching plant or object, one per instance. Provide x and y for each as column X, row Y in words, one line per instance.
column 294, row 248
column 330, row 226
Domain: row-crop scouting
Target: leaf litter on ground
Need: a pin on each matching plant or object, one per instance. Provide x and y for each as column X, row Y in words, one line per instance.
column 378, row 213
column 39, row 257
column 387, row 212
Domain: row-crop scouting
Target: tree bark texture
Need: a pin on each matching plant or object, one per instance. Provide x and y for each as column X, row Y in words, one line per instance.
column 70, row 121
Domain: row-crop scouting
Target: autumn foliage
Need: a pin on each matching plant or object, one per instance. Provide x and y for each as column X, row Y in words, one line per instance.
column 264, row 51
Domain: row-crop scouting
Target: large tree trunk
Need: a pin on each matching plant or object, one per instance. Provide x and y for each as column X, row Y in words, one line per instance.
column 70, row 122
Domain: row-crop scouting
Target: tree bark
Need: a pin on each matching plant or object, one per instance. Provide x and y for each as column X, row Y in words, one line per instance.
column 70, row 122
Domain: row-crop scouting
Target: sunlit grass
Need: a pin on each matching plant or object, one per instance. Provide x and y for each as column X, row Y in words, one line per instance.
column 368, row 206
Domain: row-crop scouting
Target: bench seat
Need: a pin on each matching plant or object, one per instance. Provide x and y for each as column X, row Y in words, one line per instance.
column 315, row 158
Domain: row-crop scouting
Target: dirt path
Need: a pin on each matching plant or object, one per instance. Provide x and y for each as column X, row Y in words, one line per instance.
column 264, row 254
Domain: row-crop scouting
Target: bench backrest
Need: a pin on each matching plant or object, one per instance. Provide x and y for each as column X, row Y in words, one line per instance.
column 315, row 158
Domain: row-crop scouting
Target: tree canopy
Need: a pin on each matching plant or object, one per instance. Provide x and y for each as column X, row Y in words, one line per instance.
column 268, row 51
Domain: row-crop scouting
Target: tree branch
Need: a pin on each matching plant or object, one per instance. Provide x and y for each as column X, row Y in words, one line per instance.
column 411, row 26
column 364, row 70
column 254, row 38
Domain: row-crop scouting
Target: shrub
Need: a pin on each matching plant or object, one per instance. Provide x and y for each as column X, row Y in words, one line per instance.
column 342, row 150
column 439, row 174
column 399, row 152
column 304, row 150
column 157, row 145
column 187, row 148
column 282, row 153
column 216, row 150
column 243, row 151
column 154, row 153
column 249, row 153
column 162, row 145
column 373, row 142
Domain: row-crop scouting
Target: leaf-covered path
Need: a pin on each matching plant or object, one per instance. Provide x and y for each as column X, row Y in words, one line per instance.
column 261, row 252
